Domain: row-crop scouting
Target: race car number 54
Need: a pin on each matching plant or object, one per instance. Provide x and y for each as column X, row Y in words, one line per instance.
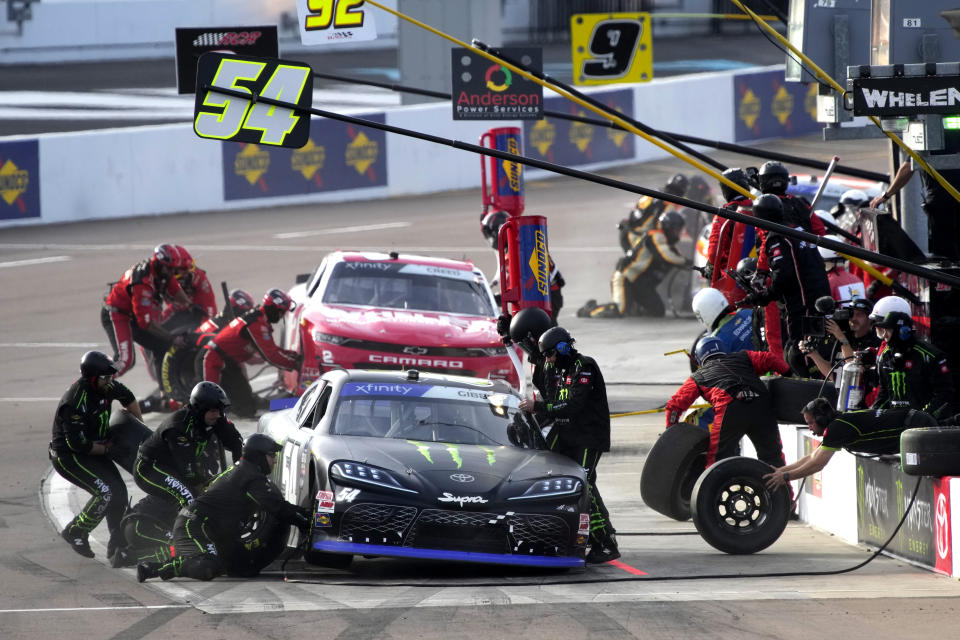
column 332, row 21
column 226, row 117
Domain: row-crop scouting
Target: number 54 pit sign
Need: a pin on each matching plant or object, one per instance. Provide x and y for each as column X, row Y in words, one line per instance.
column 611, row 47
column 333, row 21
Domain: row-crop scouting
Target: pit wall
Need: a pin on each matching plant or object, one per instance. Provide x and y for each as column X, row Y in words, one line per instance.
column 166, row 169
column 860, row 500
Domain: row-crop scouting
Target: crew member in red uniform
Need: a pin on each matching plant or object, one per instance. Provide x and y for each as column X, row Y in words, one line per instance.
column 742, row 406
column 195, row 284
column 247, row 337
column 730, row 241
column 132, row 308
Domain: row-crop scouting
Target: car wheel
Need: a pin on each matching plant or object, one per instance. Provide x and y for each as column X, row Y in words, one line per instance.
column 671, row 469
column 931, row 451
column 733, row 510
column 179, row 375
column 262, row 539
column 790, row 395
column 126, row 435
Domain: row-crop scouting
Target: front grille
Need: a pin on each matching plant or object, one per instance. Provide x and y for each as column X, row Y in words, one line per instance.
column 444, row 352
column 376, row 523
column 490, row 533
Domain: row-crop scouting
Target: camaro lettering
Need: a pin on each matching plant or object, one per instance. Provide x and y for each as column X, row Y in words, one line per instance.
column 461, row 500
column 407, row 361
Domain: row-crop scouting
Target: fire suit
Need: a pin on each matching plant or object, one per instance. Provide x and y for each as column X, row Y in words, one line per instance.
column 246, row 337
column 844, row 286
column 131, row 306
column 83, row 418
column 197, row 286
column 169, row 463
column 870, row 431
column 203, row 532
column 730, row 242
column 731, row 383
column 915, row 374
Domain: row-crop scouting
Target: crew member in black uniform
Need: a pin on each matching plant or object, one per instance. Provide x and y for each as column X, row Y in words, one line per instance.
column 203, row 530
column 169, row 462
column 796, row 279
column 774, row 179
column 80, row 445
column 913, row 373
column 866, row 431
column 574, row 396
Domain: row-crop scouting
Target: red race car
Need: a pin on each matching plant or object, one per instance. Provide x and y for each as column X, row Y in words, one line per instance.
column 390, row 311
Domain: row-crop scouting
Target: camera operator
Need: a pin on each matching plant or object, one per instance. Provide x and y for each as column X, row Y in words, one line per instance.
column 850, row 329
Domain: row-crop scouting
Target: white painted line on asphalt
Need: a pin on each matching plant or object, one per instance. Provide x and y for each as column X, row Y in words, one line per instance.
column 25, row 263
column 29, row 399
column 330, row 232
column 51, row 345
column 71, row 609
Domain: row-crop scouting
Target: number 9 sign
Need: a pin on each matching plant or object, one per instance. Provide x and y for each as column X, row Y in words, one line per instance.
column 226, row 117
column 611, row 47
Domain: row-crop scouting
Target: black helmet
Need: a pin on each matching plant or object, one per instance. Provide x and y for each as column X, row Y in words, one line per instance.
column 671, row 223
column 96, row 363
column 747, row 267
column 735, row 175
column 677, row 185
column 774, row 178
column 257, row 447
column 208, row 395
column 490, row 226
column 527, row 326
column 698, row 189
column 556, row 340
column 768, row 207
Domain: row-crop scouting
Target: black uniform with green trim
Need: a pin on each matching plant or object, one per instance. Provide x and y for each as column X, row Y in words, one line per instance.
column 169, row 461
column 82, row 419
column 872, row 431
column 574, row 396
column 914, row 374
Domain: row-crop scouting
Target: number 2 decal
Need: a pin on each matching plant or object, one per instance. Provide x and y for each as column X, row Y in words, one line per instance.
column 226, row 117
column 340, row 14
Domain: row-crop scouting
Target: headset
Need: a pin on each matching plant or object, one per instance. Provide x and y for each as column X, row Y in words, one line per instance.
column 563, row 348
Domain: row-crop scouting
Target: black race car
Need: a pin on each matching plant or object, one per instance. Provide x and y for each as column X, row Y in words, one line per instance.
column 427, row 466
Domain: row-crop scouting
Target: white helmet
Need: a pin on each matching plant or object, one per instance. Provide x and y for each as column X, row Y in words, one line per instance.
column 887, row 305
column 854, row 197
column 823, row 214
column 830, row 254
column 708, row 305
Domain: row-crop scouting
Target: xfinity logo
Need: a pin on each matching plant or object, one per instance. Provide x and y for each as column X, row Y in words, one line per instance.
column 462, row 477
column 372, row 387
column 461, row 500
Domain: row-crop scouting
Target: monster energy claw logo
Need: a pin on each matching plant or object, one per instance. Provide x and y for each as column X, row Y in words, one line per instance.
column 898, row 384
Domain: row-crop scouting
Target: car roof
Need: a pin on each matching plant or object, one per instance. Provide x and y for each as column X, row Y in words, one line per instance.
column 423, row 377
column 402, row 258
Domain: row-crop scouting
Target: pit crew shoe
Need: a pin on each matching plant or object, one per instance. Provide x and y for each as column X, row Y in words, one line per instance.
column 78, row 543
column 146, row 570
column 122, row 558
column 604, row 552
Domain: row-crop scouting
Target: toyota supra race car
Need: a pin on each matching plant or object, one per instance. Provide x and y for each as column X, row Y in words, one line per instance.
column 390, row 311
column 427, row 466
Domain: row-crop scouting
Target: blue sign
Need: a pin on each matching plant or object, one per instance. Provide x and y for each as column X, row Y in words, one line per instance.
column 383, row 389
column 765, row 106
column 574, row 143
column 337, row 156
column 19, row 180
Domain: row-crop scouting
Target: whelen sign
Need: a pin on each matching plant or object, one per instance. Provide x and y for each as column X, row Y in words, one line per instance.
column 906, row 96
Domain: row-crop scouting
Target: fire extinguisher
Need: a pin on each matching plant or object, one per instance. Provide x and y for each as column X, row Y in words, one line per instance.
column 850, row 389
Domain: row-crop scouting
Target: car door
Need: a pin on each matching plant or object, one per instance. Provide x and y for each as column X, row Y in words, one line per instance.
column 296, row 449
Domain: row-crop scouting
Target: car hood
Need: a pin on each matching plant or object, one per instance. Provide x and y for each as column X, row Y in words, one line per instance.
column 460, row 468
column 422, row 328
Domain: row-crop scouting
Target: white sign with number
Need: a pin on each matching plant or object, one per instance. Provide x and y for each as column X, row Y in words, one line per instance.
column 334, row 21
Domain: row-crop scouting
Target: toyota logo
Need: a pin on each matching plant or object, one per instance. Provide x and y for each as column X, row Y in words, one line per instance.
column 415, row 351
column 462, row 477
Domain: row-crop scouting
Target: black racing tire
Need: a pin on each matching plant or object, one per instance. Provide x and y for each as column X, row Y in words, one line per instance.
column 930, row 451
column 261, row 541
column 672, row 466
column 178, row 373
column 126, row 434
column 790, row 395
column 734, row 511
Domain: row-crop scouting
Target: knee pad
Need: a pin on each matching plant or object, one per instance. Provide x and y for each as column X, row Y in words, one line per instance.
column 203, row 567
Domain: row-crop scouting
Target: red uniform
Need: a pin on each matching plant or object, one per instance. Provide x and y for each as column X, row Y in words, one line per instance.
column 730, row 242
column 245, row 338
column 844, row 286
column 130, row 307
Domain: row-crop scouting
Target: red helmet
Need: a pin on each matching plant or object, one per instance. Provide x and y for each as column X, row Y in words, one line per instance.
column 186, row 261
column 277, row 299
column 166, row 255
column 241, row 301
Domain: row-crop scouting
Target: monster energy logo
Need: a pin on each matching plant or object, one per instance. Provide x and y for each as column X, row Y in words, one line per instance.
column 564, row 393
column 104, row 419
column 898, row 384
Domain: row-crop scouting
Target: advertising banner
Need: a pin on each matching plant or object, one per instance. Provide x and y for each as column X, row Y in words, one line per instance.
column 906, row 96
column 337, row 156
column 485, row 90
column 575, row 143
column 258, row 41
column 765, row 106
column 19, row 180
column 883, row 493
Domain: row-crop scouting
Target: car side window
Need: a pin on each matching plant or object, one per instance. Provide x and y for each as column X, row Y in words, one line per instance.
column 321, row 408
column 309, row 402
column 317, row 277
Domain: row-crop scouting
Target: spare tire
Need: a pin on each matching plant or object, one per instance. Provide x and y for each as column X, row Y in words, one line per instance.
column 261, row 540
column 178, row 372
column 672, row 466
column 930, row 451
column 126, row 434
column 734, row 511
column 790, row 395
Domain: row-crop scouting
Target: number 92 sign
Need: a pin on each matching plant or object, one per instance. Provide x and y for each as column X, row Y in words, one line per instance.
column 611, row 47
column 226, row 117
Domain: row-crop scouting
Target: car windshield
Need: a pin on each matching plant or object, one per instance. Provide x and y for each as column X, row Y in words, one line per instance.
column 393, row 285
column 431, row 413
